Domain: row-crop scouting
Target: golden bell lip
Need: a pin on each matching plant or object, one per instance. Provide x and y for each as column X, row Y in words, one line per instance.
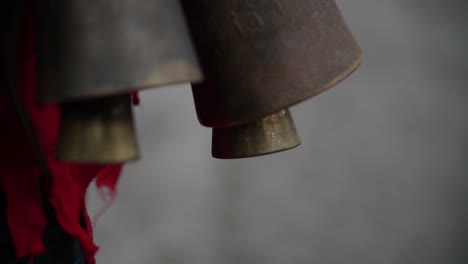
column 98, row 131
column 268, row 135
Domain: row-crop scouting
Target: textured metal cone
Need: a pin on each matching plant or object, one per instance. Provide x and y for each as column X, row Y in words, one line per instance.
column 270, row 134
column 259, row 57
column 90, row 49
column 98, row 131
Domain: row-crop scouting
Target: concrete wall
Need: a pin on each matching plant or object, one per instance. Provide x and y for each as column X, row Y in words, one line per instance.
column 381, row 176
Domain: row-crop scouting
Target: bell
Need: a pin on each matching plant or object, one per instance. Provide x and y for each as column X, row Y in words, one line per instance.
column 260, row 57
column 267, row 135
column 100, row 48
column 98, row 131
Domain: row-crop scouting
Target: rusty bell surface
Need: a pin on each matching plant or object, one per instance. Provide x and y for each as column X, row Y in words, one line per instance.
column 260, row 57
column 95, row 48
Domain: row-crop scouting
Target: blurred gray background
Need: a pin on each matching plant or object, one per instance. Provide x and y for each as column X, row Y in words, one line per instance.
column 381, row 176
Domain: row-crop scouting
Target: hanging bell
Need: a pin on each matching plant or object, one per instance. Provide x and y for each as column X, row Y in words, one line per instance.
column 267, row 135
column 91, row 48
column 97, row 131
column 91, row 54
column 260, row 57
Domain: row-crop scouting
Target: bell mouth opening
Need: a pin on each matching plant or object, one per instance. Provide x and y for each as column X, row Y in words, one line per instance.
column 113, row 90
column 257, row 155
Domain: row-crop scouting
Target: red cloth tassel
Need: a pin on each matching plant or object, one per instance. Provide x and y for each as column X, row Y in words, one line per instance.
column 19, row 172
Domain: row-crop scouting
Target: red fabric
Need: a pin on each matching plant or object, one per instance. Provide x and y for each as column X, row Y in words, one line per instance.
column 19, row 172
column 135, row 98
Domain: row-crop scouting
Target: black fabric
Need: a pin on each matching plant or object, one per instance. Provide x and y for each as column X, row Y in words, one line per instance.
column 7, row 250
column 61, row 248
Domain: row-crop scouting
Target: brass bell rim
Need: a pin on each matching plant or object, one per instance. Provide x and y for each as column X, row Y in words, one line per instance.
column 221, row 157
column 98, row 131
column 127, row 159
column 335, row 81
column 269, row 135
column 111, row 91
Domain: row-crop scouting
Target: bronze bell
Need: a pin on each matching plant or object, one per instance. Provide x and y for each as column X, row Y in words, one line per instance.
column 98, row 131
column 267, row 135
column 92, row 54
column 89, row 48
column 260, row 57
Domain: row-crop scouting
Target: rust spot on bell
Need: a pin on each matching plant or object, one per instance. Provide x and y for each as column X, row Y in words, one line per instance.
column 260, row 57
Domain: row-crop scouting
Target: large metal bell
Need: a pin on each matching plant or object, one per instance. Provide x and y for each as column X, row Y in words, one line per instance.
column 260, row 57
column 95, row 48
column 98, row 131
column 267, row 135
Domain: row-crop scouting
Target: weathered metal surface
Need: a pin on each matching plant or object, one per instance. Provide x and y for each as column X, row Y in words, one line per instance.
column 91, row 48
column 267, row 135
column 261, row 56
column 98, row 131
